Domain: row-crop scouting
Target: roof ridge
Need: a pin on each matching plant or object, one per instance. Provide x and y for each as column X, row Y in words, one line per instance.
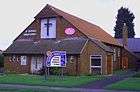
column 84, row 26
column 96, row 27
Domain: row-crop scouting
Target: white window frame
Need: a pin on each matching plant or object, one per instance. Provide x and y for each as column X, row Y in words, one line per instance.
column 119, row 52
column 23, row 62
column 91, row 57
column 114, row 54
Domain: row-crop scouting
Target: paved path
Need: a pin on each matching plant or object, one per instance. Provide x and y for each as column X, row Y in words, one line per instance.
column 101, row 84
column 58, row 88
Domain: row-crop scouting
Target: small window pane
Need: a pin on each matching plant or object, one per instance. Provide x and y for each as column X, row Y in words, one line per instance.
column 23, row 60
column 95, row 62
column 114, row 57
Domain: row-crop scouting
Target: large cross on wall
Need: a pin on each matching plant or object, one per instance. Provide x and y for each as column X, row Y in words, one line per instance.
column 48, row 28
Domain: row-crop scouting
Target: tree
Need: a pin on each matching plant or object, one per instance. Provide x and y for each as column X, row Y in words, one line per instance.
column 124, row 16
column 1, row 61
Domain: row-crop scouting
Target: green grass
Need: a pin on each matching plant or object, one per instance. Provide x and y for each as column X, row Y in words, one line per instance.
column 67, row 81
column 128, row 84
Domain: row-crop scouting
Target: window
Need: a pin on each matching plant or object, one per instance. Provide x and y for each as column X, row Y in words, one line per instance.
column 96, row 61
column 13, row 58
column 71, row 59
column 95, row 64
column 23, row 60
column 119, row 53
column 114, row 55
column 48, row 28
column 18, row 58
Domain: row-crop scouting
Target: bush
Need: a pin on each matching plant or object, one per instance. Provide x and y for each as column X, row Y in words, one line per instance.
column 55, row 70
column 41, row 71
column 1, row 61
column 137, row 75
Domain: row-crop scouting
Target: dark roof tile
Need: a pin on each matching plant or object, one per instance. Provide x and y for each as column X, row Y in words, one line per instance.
column 133, row 44
column 71, row 46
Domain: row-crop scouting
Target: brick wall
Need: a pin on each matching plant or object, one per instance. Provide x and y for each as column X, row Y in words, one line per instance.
column 15, row 66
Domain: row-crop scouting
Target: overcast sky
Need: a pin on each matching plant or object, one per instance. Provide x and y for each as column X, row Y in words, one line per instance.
column 16, row 15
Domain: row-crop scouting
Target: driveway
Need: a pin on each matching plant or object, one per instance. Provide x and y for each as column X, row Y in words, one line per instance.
column 101, row 84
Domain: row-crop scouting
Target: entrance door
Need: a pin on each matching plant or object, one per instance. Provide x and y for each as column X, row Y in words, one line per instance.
column 109, row 64
column 125, row 62
column 36, row 64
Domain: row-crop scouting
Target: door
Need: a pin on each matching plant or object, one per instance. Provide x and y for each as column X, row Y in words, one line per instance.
column 125, row 62
column 36, row 64
column 109, row 64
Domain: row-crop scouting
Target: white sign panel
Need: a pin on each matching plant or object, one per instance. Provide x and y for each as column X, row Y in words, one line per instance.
column 56, row 61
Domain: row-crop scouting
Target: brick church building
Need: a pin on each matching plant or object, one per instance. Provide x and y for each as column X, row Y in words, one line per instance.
column 89, row 49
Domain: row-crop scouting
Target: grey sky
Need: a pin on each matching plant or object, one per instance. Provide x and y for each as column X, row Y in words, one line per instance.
column 16, row 15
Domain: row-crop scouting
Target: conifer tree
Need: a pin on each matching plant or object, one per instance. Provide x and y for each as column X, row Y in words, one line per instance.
column 124, row 16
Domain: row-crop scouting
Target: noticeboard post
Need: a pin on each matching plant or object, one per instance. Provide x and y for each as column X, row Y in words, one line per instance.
column 56, row 59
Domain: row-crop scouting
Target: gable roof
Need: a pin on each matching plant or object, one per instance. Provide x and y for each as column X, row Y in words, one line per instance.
column 73, row 45
column 133, row 44
column 89, row 29
column 101, row 45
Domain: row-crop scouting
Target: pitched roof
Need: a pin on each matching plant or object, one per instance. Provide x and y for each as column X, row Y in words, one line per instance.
column 70, row 45
column 85, row 27
column 101, row 45
column 133, row 44
column 132, row 53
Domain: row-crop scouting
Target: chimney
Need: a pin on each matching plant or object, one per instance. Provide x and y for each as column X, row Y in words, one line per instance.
column 125, row 35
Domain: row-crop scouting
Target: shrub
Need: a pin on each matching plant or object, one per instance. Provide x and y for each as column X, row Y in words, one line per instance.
column 137, row 75
column 52, row 71
column 55, row 70
column 41, row 71
column 1, row 61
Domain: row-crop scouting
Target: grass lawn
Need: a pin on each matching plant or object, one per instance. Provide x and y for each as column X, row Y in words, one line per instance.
column 128, row 84
column 67, row 81
column 132, row 83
